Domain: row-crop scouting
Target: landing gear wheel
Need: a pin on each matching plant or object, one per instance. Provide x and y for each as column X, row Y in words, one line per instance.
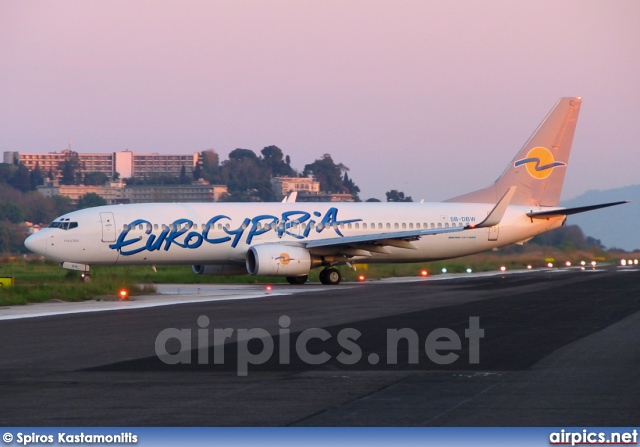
column 330, row 277
column 85, row 277
column 297, row 280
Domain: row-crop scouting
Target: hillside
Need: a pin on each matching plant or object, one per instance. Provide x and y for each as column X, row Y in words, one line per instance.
column 615, row 227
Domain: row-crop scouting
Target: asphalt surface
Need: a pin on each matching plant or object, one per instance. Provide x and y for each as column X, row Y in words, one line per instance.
column 559, row 348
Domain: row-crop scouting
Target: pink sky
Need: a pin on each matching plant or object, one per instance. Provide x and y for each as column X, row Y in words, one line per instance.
column 430, row 97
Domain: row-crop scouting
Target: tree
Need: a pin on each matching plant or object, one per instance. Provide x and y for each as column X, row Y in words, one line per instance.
column 327, row 173
column 372, row 200
column 397, row 196
column 21, row 179
column 61, row 205
column 197, row 171
column 245, row 177
column 184, row 178
column 11, row 212
column 95, row 178
column 70, row 169
column 36, row 177
column 241, row 154
column 6, row 172
column 12, row 237
column 89, row 200
column 351, row 187
column 273, row 159
column 209, row 161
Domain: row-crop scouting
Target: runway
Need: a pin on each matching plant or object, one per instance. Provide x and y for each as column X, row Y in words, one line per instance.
column 559, row 348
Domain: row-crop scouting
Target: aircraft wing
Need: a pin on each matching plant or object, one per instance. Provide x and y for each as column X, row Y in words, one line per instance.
column 363, row 245
column 382, row 238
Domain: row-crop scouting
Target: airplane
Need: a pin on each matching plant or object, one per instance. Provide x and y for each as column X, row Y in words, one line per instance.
column 289, row 238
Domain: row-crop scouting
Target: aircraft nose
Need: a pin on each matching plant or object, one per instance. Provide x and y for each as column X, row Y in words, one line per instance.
column 37, row 243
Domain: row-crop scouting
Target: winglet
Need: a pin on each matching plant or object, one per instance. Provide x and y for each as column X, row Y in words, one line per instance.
column 496, row 214
column 291, row 197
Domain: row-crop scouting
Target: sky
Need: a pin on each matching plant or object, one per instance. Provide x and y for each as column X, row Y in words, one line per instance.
column 433, row 98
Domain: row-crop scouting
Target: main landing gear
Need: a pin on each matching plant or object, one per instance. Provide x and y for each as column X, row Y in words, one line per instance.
column 297, row 280
column 330, row 276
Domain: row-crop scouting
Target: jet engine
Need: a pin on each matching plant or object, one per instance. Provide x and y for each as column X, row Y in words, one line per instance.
column 279, row 260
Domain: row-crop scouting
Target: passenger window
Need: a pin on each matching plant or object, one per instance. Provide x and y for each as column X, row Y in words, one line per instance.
column 357, row 226
column 219, row 226
column 404, row 226
column 364, row 226
column 149, row 227
column 446, row 225
column 195, row 226
column 396, row 226
column 388, row 226
column 125, row 227
column 439, row 225
column 155, row 226
column 433, row 225
column 140, row 227
column 380, row 226
column 411, row 226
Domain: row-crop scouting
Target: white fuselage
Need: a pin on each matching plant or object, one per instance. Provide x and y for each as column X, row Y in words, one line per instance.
column 222, row 233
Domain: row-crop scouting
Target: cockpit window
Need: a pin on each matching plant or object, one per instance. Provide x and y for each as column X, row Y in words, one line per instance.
column 66, row 225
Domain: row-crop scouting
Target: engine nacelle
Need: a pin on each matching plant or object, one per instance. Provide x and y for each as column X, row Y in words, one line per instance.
column 278, row 260
column 219, row 269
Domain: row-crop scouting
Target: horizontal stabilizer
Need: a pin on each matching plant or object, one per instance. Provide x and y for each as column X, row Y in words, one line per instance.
column 569, row 211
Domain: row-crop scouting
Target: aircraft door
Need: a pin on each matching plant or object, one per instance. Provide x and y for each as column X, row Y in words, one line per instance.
column 493, row 232
column 108, row 227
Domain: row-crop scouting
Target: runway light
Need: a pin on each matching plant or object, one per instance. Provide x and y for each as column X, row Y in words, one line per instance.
column 629, row 262
column 529, row 267
column 444, row 270
column 361, row 278
column 635, row 261
column 583, row 263
column 268, row 288
column 623, row 262
column 550, row 265
column 124, row 294
column 469, row 270
column 424, row 273
column 503, row 269
column 568, row 263
column 593, row 263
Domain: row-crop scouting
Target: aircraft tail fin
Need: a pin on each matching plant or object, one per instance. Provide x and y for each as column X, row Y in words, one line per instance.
column 539, row 169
